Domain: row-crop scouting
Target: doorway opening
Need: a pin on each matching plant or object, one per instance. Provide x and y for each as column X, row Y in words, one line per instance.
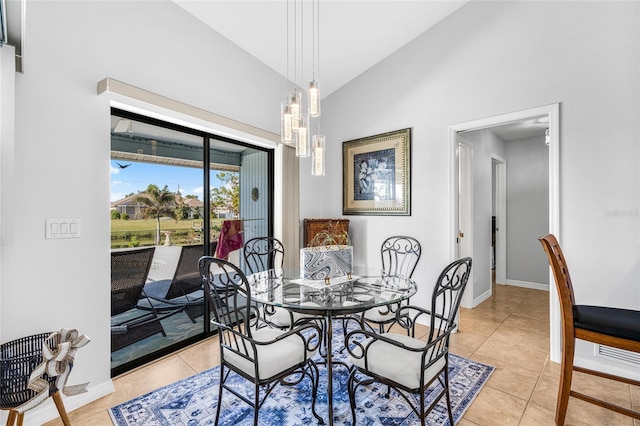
column 482, row 204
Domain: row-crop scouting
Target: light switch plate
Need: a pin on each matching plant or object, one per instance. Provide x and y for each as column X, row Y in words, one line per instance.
column 62, row 228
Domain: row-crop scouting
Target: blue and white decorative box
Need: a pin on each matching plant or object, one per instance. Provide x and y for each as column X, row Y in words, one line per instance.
column 318, row 263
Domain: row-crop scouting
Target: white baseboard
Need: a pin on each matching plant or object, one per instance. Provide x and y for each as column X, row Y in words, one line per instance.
column 47, row 410
column 478, row 300
column 527, row 284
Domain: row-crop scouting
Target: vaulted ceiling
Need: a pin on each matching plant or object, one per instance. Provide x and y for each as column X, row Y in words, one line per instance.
column 353, row 35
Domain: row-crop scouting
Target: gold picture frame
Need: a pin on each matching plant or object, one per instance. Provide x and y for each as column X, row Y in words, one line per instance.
column 376, row 175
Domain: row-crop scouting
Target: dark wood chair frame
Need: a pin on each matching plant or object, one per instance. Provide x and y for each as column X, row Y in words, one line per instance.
column 573, row 327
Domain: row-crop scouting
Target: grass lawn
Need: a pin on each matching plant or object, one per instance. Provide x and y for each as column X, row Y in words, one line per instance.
column 132, row 233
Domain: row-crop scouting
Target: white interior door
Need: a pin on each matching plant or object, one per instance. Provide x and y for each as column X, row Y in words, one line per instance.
column 465, row 211
column 500, row 190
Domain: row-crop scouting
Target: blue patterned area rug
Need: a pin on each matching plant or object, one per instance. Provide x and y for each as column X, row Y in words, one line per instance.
column 192, row 401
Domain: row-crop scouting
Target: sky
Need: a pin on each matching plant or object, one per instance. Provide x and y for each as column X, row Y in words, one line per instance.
column 137, row 176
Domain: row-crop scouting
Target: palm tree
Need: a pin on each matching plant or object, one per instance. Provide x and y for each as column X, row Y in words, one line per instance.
column 159, row 202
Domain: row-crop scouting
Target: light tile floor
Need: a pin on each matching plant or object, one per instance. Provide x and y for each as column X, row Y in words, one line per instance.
column 510, row 331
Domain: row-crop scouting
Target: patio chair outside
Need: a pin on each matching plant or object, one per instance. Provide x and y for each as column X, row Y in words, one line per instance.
column 129, row 322
column 185, row 288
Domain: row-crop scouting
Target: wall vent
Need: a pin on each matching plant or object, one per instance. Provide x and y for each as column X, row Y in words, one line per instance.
column 620, row 355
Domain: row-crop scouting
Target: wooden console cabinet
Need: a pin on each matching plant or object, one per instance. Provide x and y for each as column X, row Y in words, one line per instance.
column 338, row 228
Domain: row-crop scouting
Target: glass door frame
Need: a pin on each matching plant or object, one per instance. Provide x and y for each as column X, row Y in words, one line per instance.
column 208, row 138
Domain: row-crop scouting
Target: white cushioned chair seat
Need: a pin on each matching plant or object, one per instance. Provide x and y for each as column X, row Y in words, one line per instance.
column 374, row 314
column 395, row 363
column 280, row 317
column 274, row 358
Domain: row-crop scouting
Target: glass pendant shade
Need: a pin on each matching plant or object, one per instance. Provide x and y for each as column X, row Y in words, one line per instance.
column 295, row 100
column 314, row 99
column 317, row 155
column 303, row 146
column 286, row 130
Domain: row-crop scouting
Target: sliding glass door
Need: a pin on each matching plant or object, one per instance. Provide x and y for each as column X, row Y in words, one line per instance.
column 172, row 189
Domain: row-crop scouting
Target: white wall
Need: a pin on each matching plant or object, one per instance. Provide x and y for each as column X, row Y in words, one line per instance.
column 489, row 58
column 527, row 211
column 62, row 149
column 492, row 58
column 7, row 142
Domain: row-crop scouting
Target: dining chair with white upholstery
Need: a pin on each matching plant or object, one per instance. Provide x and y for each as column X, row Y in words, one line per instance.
column 407, row 364
column 400, row 256
column 264, row 253
column 264, row 356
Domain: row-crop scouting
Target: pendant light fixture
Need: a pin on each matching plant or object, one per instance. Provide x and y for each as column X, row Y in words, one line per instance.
column 286, row 130
column 318, row 141
column 314, row 98
column 296, row 123
column 314, row 90
column 286, row 116
column 317, row 155
column 295, row 99
column 303, row 148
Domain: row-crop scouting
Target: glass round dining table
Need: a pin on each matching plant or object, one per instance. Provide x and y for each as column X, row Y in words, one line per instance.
column 329, row 298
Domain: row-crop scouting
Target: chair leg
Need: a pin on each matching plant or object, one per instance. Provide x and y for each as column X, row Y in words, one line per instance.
column 564, row 389
column 447, row 393
column 256, row 405
column 423, row 415
column 314, row 375
column 323, row 338
column 11, row 419
column 352, row 393
column 220, row 389
column 20, row 419
column 57, row 398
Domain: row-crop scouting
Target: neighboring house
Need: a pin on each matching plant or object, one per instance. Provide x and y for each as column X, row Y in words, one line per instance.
column 129, row 206
column 196, row 207
column 135, row 209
